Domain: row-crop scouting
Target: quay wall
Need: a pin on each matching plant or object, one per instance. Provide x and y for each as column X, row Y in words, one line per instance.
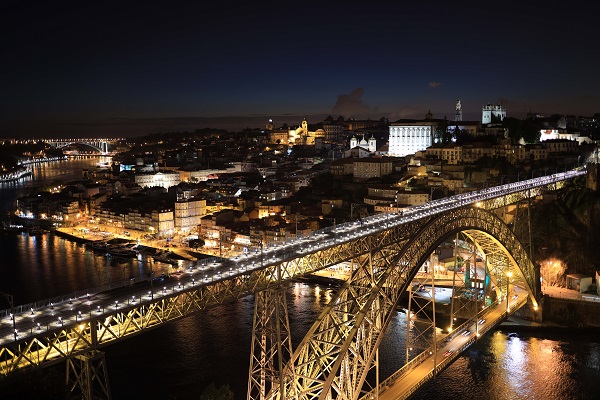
column 570, row 312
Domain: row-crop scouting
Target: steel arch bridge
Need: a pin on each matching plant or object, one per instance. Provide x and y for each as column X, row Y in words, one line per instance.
column 100, row 145
column 340, row 349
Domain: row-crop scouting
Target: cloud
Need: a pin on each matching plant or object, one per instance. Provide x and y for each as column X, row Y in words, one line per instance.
column 408, row 111
column 352, row 105
column 435, row 84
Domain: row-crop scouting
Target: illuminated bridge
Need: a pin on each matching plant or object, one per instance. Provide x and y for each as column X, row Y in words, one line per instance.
column 338, row 358
column 100, row 145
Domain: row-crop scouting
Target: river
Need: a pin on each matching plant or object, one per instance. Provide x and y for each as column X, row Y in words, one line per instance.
column 179, row 360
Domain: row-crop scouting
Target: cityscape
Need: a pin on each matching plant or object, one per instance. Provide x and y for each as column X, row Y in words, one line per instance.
column 218, row 197
column 256, row 202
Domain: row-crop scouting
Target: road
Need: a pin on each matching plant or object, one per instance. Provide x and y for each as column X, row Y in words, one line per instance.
column 32, row 320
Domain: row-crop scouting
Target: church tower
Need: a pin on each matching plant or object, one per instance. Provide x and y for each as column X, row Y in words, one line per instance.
column 305, row 126
column 353, row 142
column 372, row 144
column 458, row 114
column 270, row 125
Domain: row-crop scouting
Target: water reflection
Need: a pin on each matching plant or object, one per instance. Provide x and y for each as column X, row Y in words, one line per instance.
column 180, row 359
column 511, row 366
column 42, row 266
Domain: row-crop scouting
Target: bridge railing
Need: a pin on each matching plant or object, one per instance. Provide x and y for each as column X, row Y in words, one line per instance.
column 91, row 292
column 406, row 368
column 81, row 294
column 521, row 185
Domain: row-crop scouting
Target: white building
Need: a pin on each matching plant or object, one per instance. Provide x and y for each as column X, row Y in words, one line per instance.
column 491, row 113
column 409, row 136
column 163, row 179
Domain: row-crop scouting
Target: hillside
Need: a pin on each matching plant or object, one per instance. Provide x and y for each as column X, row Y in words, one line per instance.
column 568, row 229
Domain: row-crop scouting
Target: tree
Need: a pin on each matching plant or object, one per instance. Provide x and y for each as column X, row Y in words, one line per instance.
column 195, row 243
column 212, row 393
column 441, row 132
column 531, row 132
column 514, row 127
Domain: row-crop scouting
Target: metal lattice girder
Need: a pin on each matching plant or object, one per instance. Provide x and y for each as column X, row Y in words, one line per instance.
column 56, row 344
column 271, row 345
column 87, row 378
column 420, row 336
column 333, row 359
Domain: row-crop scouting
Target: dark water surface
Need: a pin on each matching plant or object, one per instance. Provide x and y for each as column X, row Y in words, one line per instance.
column 178, row 360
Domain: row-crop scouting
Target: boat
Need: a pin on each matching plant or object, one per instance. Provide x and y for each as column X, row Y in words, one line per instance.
column 165, row 257
column 36, row 230
column 120, row 251
column 99, row 246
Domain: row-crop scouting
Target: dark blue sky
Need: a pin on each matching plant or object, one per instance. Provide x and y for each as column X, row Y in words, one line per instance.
column 142, row 67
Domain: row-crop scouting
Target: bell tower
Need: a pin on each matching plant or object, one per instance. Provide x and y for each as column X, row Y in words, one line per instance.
column 458, row 113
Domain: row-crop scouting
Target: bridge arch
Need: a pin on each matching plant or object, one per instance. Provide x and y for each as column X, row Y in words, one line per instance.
column 100, row 147
column 334, row 358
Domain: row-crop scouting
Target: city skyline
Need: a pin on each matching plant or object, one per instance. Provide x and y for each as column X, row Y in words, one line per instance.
column 135, row 69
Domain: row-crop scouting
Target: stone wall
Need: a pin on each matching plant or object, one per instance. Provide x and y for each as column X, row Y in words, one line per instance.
column 571, row 313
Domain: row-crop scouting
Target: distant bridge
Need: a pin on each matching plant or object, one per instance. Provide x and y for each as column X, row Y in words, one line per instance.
column 387, row 252
column 100, row 145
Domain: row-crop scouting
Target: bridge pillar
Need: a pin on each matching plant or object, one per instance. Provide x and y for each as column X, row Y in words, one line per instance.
column 271, row 345
column 87, row 378
column 421, row 336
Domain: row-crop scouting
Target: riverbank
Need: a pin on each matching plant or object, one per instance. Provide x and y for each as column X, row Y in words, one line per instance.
column 177, row 253
column 521, row 325
column 14, row 175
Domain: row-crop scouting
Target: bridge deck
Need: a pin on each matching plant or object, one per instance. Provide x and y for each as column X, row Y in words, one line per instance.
column 407, row 380
column 133, row 309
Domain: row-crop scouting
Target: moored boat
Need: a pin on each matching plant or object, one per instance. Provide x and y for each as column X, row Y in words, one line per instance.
column 36, row 230
column 164, row 258
column 120, row 251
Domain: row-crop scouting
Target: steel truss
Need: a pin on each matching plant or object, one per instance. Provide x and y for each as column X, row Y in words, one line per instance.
column 87, row 378
column 336, row 355
column 271, row 345
column 340, row 348
column 421, row 335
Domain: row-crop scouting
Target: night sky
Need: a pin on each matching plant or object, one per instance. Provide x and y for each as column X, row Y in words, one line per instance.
column 140, row 67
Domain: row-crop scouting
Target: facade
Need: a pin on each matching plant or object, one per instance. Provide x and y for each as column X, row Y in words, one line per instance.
column 490, row 113
column 203, row 175
column 188, row 214
column 371, row 145
column 163, row 179
column 561, row 146
column 277, row 136
column 333, row 132
column 381, row 195
column 474, row 151
column 409, row 136
column 578, row 282
column 341, row 167
column 412, row 197
column 371, row 167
